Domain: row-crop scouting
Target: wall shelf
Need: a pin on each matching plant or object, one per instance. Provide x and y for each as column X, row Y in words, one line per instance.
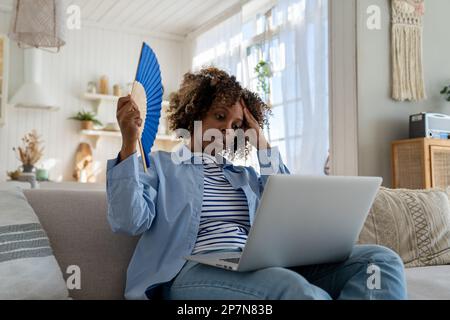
column 107, row 100
column 104, row 106
column 95, row 135
column 98, row 96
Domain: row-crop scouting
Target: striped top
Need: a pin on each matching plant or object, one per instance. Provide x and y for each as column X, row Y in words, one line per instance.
column 224, row 222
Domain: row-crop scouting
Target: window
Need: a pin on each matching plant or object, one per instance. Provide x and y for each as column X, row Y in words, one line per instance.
column 291, row 41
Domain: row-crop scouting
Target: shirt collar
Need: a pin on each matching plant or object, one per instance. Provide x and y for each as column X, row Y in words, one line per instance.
column 186, row 156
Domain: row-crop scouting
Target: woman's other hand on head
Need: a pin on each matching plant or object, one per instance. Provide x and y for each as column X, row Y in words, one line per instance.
column 261, row 141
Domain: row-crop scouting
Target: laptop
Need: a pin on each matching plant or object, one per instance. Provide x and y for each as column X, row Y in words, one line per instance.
column 302, row 220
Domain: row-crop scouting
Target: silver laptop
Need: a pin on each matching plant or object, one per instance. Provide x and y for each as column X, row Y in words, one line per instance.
column 302, row 220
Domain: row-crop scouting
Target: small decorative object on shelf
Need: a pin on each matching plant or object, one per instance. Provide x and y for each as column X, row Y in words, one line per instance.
column 104, row 85
column 88, row 120
column 31, row 151
column 163, row 125
column 84, row 171
column 117, row 90
column 13, row 175
column 41, row 174
column 92, row 87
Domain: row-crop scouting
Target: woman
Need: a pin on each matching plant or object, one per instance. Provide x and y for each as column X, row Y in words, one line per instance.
column 195, row 201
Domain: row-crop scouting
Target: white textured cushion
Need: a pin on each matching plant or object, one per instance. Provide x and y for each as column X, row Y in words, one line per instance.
column 28, row 269
column 414, row 223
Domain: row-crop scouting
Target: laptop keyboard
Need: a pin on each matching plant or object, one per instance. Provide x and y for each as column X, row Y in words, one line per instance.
column 232, row 260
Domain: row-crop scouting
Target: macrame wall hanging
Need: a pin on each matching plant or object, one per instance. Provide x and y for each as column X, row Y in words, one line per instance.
column 407, row 67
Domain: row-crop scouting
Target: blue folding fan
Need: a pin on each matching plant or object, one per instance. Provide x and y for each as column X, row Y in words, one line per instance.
column 147, row 93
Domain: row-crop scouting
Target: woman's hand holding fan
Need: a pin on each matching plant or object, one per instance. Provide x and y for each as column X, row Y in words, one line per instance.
column 130, row 122
column 138, row 114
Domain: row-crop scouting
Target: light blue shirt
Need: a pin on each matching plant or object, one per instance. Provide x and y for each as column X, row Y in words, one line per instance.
column 164, row 206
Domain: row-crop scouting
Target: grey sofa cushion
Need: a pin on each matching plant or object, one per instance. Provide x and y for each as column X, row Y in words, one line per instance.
column 80, row 235
column 28, row 269
column 428, row 283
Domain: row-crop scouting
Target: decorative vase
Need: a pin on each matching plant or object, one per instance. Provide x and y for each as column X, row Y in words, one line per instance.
column 27, row 168
column 41, row 174
column 92, row 87
column 87, row 125
column 117, row 90
column 104, row 85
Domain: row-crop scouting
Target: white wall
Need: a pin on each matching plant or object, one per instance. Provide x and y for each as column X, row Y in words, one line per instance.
column 89, row 53
column 381, row 119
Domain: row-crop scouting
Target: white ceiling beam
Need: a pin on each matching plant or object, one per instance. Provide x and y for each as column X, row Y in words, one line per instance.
column 138, row 31
column 121, row 26
column 189, row 6
column 146, row 11
column 155, row 11
column 118, row 7
column 166, row 11
column 129, row 11
column 183, row 21
column 101, row 10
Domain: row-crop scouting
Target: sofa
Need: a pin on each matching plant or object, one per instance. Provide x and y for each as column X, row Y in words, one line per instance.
column 76, row 224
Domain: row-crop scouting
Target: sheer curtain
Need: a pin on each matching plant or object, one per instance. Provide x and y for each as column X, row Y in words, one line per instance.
column 221, row 47
column 304, row 82
column 293, row 38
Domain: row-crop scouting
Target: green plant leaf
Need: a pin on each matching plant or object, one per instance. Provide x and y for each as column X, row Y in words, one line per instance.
column 84, row 116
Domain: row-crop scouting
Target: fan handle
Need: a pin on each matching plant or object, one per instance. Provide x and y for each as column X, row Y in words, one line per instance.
column 141, row 149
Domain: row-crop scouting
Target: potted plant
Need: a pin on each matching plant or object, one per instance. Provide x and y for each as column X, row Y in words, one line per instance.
column 30, row 152
column 446, row 92
column 88, row 119
column 263, row 72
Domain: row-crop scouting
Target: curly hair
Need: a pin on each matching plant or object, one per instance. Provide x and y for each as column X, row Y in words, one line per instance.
column 209, row 87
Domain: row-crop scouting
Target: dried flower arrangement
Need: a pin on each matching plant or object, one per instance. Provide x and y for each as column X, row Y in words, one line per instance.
column 31, row 151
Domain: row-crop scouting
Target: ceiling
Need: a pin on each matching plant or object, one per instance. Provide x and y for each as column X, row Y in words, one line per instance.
column 174, row 19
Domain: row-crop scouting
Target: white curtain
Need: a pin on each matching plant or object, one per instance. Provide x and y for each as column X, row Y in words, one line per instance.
column 298, row 52
column 220, row 46
column 304, row 82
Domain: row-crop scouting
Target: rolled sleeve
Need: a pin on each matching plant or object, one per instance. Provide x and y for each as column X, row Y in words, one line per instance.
column 131, row 195
column 127, row 168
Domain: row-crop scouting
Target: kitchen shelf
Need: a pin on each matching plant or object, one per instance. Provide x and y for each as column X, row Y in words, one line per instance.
column 105, row 108
column 107, row 97
column 94, row 136
column 97, row 96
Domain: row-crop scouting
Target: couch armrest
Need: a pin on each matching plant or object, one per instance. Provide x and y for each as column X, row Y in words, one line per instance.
column 76, row 224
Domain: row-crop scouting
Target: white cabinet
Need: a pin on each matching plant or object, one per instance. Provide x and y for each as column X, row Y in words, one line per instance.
column 4, row 51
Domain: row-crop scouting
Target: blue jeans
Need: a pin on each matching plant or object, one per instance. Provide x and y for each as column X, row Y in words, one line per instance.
column 350, row 279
